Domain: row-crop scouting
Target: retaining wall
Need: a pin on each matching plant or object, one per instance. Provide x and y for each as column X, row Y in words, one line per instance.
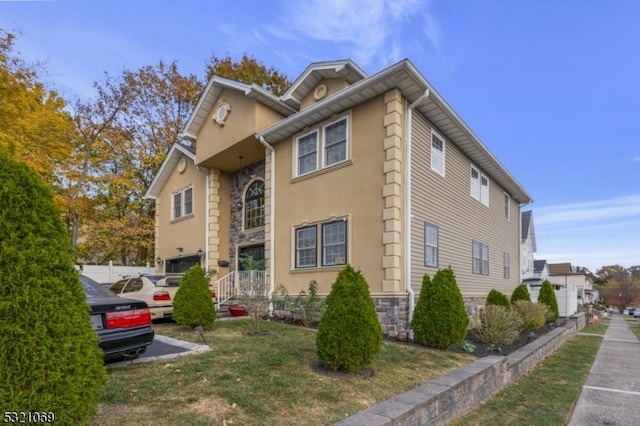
column 456, row 393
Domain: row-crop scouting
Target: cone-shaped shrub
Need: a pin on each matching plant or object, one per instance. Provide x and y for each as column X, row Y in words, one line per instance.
column 520, row 293
column 349, row 334
column 498, row 298
column 192, row 304
column 548, row 297
column 50, row 359
column 440, row 318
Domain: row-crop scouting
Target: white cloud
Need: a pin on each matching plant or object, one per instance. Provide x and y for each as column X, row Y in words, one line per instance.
column 608, row 209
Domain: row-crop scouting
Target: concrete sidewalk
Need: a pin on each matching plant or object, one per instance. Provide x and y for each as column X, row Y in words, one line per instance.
column 611, row 393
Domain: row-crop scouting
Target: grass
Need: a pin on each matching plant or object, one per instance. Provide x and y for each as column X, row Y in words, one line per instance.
column 547, row 395
column 600, row 328
column 274, row 378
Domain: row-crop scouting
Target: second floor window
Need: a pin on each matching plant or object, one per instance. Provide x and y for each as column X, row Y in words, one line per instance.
column 183, row 203
column 324, row 148
column 479, row 186
column 307, row 153
column 254, row 205
column 437, row 154
column 430, row 245
column 480, row 258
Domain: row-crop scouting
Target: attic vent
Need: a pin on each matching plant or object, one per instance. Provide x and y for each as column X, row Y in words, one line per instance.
column 320, row 92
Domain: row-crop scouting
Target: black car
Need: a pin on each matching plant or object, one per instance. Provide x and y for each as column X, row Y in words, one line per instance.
column 123, row 325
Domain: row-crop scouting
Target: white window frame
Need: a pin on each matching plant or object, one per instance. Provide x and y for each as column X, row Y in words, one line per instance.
column 299, row 250
column 179, row 209
column 484, row 189
column 325, row 145
column 326, row 245
column 317, row 137
column 431, row 247
column 437, row 154
column 479, row 258
column 477, row 189
column 507, row 206
column 506, row 260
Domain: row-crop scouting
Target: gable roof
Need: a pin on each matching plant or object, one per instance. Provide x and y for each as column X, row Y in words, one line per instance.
column 560, row 269
column 345, row 69
column 405, row 77
column 528, row 229
column 211, row 92
column 538, row 265
column 171, row 160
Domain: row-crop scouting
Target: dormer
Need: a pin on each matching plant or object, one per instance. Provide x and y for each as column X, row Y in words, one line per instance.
column 321, row 80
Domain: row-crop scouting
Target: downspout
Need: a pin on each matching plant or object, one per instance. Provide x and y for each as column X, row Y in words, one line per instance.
column 272, row 224
column 408, row 212
column 206, row 224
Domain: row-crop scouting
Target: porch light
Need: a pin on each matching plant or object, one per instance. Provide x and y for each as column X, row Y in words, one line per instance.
column 239, row 206
column 200, row 253
column 159, row 260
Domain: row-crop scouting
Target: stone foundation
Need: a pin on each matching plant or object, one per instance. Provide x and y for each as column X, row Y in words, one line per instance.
column 393, row 314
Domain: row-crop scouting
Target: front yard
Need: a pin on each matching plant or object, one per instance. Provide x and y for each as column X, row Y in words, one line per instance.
column 272, row 378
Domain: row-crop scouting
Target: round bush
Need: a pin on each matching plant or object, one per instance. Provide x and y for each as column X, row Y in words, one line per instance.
column 520, row 293
column 533, row 315
column 192, row 304
column 440, row 318
column 497, row 298
column 498, row 325
column 50, row 359
column 349, row 334
column 548, row 297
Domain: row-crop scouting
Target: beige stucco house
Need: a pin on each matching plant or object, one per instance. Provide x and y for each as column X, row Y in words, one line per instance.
column 374, row 171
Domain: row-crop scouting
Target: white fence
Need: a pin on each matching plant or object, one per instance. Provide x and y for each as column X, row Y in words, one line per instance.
column 111, row 273
column 567, row 298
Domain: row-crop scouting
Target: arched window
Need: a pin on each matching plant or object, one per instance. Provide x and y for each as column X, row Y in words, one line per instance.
column 254, row 205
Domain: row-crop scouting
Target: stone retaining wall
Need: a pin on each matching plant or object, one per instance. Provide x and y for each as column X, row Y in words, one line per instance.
column 456, row 393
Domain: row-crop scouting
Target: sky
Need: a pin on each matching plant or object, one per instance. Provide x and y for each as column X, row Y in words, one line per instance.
column 551, row 87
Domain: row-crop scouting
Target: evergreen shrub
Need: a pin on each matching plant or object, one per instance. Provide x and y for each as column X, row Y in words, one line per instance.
column 50, row 359
column 532, row 315
column 440, row 318
column 520, row 293
column 498, row 298
column 548, row 297
column 192, row 304
column 349, row 334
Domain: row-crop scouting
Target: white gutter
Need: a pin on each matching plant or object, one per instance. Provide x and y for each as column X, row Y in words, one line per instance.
column 206, row 224
column 272, row 216
column 408, row 213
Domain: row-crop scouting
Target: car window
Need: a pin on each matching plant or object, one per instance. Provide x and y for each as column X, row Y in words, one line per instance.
column 93, row 289
column 172, row 281
column 154, row 278
column 133, row 286
column 118, row 286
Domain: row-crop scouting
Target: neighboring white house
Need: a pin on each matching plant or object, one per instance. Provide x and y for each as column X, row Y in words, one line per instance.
column 563, row 275
column 527, row 245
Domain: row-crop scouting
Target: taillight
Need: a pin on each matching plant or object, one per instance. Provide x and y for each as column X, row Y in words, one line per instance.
column 161, row 295
column 213, row 294
column 131, row 318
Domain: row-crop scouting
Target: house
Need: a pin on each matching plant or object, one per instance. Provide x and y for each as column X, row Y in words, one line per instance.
column 345, row 168
column 540, row 274
column 563, row 275
column 528, row 245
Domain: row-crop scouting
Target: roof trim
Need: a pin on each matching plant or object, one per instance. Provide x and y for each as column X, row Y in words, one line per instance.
column 171, row 160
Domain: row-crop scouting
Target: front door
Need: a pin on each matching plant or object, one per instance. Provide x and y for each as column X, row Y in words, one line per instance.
column 257, row 254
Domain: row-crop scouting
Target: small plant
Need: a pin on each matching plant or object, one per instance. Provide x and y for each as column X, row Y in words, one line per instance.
column 308, row 307
column 520, row 293
column 349, row 334
column 548, row 297
column 252, row 290
column 498, row 326
column 440, row 318
column 192, row 304
column 467, row 346
column 532, row 315
column 495, row 297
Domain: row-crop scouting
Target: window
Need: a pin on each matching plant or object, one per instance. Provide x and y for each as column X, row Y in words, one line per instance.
column 306, row 247
column 307, row 153
column 479, row 186
column 480, row 258
column 430, row 245
column 507, row 265
column 183, row 203
column 326, row 150
column 437, row 154
column 334, row 243
column 254, row 205
column 507, row 206
column 335, row 142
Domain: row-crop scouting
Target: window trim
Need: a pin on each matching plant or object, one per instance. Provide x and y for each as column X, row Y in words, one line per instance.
column 245, row 210
column 479, row 265
column 436, row 248
column 317, row 151
column 298, row 250
column 442, row 156
column 507, row 206
column 324, row 141
column 506, row 262
column 182, row 203
column 476, row 188
column 343, row 243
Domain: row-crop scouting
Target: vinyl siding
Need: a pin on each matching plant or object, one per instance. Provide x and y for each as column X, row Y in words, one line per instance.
column 447, row 203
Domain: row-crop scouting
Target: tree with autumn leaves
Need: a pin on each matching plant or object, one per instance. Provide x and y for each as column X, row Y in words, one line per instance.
column 101, row 158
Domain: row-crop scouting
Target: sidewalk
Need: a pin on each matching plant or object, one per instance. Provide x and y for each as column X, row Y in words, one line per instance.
column 611, row 393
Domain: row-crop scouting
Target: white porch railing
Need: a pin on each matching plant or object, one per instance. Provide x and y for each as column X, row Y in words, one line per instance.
column 241, row 283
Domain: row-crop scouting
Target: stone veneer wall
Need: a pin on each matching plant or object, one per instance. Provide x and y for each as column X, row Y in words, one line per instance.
column 237, row 233
column 393, row 314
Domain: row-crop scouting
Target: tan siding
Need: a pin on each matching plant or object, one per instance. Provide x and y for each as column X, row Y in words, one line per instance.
column 447, row 203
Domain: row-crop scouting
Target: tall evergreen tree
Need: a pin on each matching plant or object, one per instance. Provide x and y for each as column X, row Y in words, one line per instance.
column 548, row 297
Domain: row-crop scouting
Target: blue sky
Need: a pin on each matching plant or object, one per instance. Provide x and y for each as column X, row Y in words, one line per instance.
column 552, row 88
